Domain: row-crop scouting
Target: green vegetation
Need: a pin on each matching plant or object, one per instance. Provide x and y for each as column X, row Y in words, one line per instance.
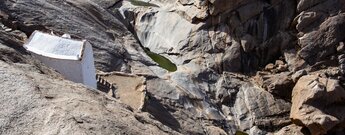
column 161, row 60
column 142, row 3
column 240, row 133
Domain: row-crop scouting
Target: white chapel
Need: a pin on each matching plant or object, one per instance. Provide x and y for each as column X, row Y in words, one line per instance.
column 71, row 58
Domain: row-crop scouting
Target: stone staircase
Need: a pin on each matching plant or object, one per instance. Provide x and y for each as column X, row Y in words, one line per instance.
column 104, row 86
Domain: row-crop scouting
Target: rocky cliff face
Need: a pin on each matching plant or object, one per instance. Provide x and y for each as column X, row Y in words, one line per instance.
column 258, row 66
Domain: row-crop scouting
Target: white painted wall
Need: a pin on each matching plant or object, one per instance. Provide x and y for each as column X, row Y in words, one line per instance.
column 71, row 58
column 70, row 69
column 88, row 66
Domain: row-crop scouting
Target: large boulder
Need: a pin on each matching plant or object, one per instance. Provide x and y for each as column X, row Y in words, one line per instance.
column 249, row 106
column 271, row 115
column 318, row 104
column 279, row 84
column 321, row 43
column 321, row 25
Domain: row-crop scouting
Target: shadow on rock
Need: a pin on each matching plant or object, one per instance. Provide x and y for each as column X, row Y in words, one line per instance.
column 155, row 108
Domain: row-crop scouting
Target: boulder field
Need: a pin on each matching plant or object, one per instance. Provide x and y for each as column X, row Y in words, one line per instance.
column 253, row 66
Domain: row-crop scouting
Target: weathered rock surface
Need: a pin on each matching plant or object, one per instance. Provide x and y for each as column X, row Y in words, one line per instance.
column 298, row 75
column 320, row 24
column 260, row 35
column 36, row 100
column 291, row 130
column 318, row 103
column 279, row 84
column 33, row 103
column 217, row 46
column 319, row 44
column 241, row 102
column 271, row 115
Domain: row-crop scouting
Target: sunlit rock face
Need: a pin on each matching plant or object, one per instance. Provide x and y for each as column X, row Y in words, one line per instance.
column 195, row 28
column 237, row 61
column 317, row 104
